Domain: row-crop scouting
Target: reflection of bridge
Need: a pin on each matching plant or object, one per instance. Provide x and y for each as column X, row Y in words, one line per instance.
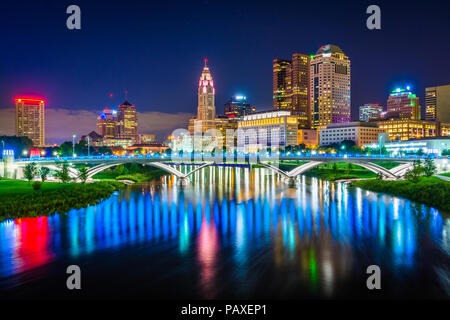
column 312, row 161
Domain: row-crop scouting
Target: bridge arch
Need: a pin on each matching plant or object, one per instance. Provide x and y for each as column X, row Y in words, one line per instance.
column 394, row 174
column 101, row 167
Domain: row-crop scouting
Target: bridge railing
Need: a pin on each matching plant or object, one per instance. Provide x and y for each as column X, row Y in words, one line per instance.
column 298, row 155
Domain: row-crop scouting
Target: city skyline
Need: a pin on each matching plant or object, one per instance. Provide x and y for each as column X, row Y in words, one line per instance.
column 77, row 84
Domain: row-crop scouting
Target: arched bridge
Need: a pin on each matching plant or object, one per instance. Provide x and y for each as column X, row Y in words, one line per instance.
column 312, row 161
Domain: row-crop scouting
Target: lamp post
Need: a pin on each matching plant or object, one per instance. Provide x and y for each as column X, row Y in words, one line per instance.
column 73, row 145
column 88, row 139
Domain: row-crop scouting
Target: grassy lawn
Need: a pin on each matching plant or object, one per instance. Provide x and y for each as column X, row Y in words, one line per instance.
column 431, row 191
column 387, row 164
column 447, row 174
column 18, row 199
column 341, row 171
column 143, row 174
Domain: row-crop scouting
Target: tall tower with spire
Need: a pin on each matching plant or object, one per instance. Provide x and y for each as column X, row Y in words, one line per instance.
column 206, row 111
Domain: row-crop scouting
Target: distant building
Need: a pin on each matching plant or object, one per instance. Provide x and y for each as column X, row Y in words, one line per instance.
column 404, row 104
column 308, row 137
column 147, row 138
column 267, row 130
column 227, row 127
column 95, row 139
column 407, row 129
column 30, row 120
column 444, row 129
column 107, row 123
column 437, row 103
column 291, row 86
column 329, row 82
column 127, row 122
column 428, row 146
column 360, row 132
column 370, row 111
column 237, row 107
column 146, row 148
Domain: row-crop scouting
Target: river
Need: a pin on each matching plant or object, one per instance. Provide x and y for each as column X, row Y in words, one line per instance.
column 232, row 233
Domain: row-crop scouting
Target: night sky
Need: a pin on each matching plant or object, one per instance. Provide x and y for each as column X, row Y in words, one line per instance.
column 155, row 51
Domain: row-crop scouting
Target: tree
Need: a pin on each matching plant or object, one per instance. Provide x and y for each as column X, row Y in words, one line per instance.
column 43, row 173
column 349, row 168
column 30, row 171
column 429, row 168
column 18, row 144
column 63, row 174
column 335, row 167
column 83, row 175
column 65, row 149
column 415, row 173
column 104, row 150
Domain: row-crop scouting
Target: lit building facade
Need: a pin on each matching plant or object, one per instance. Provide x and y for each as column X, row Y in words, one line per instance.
column 267, row 130
column 147, row 138
column 237, row 107
column 30, row 120
column 407, row 129
column 433, row 146
column 127, row 122
column 291, row 86
column 107, row 123
column 329, row 87
column 437, row 103
column 370, row 111
column 360, row 132
column 444, row 129
column 308, row 137
column 403, row 104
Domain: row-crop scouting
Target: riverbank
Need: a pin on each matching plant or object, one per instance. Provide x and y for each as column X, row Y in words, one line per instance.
column 428, row 190
column 18, row 199
column 136, row 173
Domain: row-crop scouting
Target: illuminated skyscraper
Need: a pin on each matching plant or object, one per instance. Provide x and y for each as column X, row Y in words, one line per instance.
column 402, row 103
column 291, row 86
column 206, row 110
column 30, row 119
column 128, row 122
column 329, row 87
column 282, row 84
column 437, row 103
column 107, row 123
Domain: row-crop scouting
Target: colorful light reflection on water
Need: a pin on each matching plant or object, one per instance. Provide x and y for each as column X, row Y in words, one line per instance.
column 239, row 233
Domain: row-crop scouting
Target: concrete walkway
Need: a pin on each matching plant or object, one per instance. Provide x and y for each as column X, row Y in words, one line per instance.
column 442, row 177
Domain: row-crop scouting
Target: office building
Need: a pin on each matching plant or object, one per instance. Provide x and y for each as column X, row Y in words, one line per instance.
column 291, row 86
column 127, row 122
column 370, row 111
column 402, row 103
column 30, row 120
column 360, row 132
column 237, row 107
column 406, row 129
column 437, row 103
column 147, row 138
column 433, row 146
column 329, row 87
column 308, row 137
column 267, row 130
column 107, row 123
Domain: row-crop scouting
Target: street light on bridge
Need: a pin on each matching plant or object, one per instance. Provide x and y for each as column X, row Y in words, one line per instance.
column 73, row 145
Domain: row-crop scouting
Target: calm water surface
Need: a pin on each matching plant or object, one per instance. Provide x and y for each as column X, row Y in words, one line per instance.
column 233, row 233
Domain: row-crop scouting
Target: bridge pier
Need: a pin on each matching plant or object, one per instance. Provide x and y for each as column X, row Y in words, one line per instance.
column 290, row 181
column 183, row 182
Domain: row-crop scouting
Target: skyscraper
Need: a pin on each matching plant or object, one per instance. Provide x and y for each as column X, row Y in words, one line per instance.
column 107, row 123
column 437, row 103
column 282, row 84
column 128, row 122
column 206, row 110
column 404, row 104
column 329, row 83
column 30, row 119
column 370, row 111
column 291, row 86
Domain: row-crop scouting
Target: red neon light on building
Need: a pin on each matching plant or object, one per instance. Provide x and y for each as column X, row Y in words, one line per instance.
column 35, row 100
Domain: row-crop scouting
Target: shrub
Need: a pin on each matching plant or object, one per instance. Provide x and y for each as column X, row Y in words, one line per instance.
column 37, row 185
